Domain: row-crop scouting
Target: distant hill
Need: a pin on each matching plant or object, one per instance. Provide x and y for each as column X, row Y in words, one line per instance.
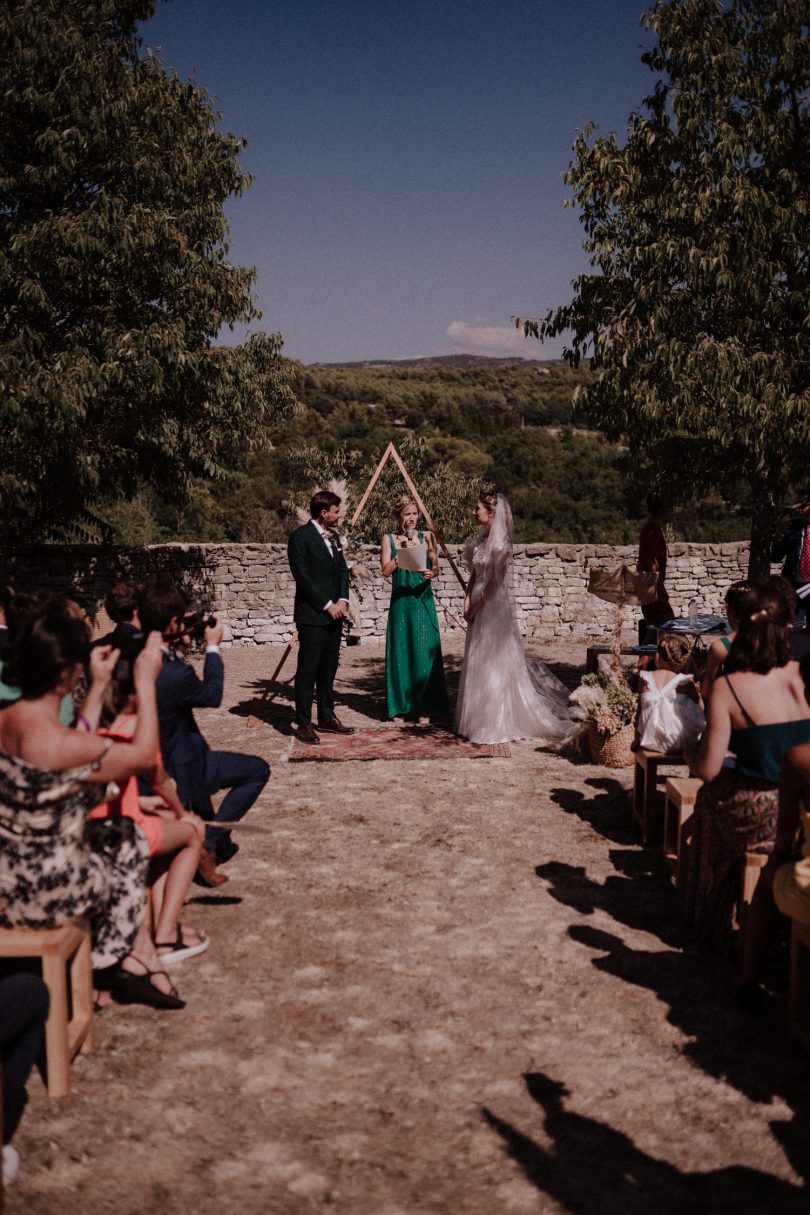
column 503, row 421
column 447, row 360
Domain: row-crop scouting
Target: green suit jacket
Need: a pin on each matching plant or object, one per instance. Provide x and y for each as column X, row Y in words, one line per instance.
column 319, row 576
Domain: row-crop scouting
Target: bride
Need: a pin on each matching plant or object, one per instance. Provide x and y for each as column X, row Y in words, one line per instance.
column 503, row 694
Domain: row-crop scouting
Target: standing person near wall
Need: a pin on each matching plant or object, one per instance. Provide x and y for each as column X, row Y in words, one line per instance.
column 321, row 578
column 414, row 671
column 652, row 556
column 792, row 547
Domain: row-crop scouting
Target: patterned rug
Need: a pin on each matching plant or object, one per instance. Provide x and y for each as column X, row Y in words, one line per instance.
column 390, row 742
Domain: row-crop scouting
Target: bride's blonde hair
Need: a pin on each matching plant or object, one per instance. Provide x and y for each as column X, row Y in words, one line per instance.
column 401, row 505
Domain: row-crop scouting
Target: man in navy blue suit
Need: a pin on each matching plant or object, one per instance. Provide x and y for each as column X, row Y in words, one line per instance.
column 321, row 601
column 198, row 771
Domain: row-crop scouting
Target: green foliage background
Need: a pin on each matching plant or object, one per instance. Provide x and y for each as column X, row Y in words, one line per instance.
column 458, row 425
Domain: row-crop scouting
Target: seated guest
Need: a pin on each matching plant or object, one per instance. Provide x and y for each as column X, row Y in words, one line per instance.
column 17, row 608
column 719, row 650
column 6, row 595
column 669, row 716
column 758, row 711
column 784, row 884
column 121, row 603
column 54, row 866
column 174, row 835
column 198, row 771
column 23, row 1013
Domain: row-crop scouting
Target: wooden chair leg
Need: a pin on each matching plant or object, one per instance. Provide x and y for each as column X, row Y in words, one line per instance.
column 81, row 990
column 56, row 1027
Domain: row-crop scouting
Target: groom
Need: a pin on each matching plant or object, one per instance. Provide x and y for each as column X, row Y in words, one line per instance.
column 321, row 601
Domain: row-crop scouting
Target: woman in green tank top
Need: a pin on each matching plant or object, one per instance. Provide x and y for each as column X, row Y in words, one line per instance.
column 414, row 670
column 758, row 711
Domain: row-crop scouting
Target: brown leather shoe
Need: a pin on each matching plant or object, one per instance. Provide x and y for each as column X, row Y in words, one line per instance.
column 306, row 734
column 206, row 874
column 333, row 726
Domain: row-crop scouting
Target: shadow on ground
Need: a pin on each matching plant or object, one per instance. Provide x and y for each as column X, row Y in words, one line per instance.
column 750, row 1054
column 590, row 1167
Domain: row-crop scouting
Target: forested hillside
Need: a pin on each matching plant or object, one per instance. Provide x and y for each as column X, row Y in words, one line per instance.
column 508, row 424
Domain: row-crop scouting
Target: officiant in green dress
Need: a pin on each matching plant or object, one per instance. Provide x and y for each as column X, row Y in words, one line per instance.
column 414, row 671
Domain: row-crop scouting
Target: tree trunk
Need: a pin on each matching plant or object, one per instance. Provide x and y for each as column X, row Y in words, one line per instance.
column 764, row 516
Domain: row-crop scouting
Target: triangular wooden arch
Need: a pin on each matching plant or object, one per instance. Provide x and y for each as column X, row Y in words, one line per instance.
column 391, row 453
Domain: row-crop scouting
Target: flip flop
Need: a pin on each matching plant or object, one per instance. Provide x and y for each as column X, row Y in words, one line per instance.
column 178, row 950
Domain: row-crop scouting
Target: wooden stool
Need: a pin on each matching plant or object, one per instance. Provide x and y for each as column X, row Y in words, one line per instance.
column 679, row 804
column 645, row 790
column 799, row 992
column 61, row 950
column 755, row 862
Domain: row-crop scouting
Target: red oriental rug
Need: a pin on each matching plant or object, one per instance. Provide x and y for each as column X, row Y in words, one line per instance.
column 390, row 742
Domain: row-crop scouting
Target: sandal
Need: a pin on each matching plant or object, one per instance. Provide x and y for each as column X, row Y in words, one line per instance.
column 178, row 950
column 128, row 988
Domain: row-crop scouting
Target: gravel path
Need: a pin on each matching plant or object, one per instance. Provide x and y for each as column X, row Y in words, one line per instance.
column 433, row 986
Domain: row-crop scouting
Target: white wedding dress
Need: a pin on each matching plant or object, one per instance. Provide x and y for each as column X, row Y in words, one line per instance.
column 504, row 694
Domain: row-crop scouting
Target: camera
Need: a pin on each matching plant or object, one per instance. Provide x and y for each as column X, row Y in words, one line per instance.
column 196, row 620
column 129, row 645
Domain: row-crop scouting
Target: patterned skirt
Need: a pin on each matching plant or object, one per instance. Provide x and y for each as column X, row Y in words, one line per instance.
column 734, row 814
column 56, row 867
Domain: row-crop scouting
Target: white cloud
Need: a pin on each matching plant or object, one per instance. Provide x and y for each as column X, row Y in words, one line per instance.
column 477, row 337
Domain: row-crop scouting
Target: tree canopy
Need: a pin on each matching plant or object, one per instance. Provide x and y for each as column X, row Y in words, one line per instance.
column 696, row 312
column 114, row 273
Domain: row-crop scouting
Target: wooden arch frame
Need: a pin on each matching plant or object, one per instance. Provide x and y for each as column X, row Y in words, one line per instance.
column 391, row 453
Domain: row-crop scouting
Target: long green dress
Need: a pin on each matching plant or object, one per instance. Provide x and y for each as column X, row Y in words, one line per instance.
column 414, row 672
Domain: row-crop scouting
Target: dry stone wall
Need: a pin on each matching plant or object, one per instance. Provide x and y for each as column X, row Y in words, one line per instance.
column 251, row 586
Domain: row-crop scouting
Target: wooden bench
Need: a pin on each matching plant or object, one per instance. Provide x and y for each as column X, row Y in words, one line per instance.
column 679, row 804
column 64, row 953
column 799, row 991
column 645, row 791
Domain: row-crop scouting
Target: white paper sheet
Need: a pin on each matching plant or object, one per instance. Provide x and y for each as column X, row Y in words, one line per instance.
column 412, row 558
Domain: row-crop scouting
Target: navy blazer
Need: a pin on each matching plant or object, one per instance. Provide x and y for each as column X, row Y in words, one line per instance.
column 184, row 749
column 320, row 576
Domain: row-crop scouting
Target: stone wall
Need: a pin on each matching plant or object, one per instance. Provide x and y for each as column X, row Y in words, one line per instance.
column 251, row 586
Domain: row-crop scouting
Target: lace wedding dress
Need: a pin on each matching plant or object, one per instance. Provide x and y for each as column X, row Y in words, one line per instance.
column 503, row 694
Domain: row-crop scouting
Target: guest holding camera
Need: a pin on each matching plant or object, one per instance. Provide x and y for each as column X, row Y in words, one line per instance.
column 54, row 865
column 198, row 771
column 174, row 834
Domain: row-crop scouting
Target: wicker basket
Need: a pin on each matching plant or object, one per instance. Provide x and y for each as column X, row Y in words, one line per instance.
column 612, row 750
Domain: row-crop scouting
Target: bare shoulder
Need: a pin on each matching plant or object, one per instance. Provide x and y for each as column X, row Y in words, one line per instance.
column 47, row 745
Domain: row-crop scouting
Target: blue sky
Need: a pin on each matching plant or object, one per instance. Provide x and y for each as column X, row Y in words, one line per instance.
column 407, row 157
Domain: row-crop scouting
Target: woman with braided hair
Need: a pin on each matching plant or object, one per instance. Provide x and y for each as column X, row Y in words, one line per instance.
column 757, row 711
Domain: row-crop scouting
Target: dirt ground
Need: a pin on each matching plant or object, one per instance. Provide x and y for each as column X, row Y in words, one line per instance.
column 433, row 986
